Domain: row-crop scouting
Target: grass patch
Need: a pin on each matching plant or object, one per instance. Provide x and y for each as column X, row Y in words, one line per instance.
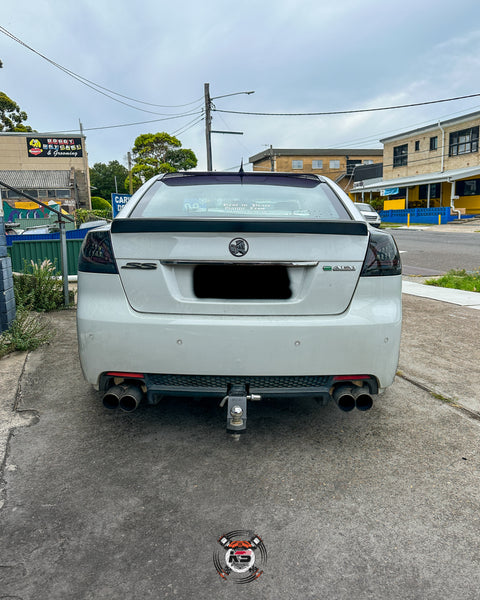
column 27, row 332
column 39, row 287
column 397, row 225
column 458, row 280
column 442, row 398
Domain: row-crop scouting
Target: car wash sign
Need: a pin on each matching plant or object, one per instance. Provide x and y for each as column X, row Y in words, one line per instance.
column 40, row 147
column 118, row 202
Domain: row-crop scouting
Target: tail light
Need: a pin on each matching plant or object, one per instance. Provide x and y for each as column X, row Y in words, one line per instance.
column 96, row 253
column 382, row 256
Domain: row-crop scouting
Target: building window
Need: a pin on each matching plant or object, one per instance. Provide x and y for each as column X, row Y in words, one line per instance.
column 351, row 166
column 297, row 164
column 400, row 155
column 317, row 164
column 402, row 193
column 434, row 143
column 464, row 141
column 63, row 193
column 434, row 191
column 417, row 145
column 468, row 187
column 334, row 164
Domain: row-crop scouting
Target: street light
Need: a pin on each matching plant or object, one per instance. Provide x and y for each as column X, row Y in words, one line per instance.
column 208, row 121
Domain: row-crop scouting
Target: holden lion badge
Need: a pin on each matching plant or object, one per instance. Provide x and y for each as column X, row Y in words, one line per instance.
column 238, row 247
column 243, row 558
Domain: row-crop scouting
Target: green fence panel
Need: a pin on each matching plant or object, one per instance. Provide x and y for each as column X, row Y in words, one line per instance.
column 38, row 251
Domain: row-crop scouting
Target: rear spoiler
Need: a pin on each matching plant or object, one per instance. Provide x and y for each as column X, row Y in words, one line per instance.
column 238, row 226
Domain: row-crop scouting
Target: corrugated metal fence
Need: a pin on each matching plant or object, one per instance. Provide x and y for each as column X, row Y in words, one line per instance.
column 40, row 250
column 40, row 247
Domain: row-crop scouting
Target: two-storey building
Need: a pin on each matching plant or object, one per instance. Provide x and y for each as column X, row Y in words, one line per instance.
column 433, row 166
column 51, row 167
column 337, row 164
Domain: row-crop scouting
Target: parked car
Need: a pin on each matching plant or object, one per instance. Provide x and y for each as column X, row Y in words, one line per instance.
column 37, row 230
column 13, row 229
column 239, row 285
column 92, row 224
column 370, row 214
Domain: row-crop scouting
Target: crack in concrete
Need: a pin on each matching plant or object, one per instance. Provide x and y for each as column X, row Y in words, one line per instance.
column 445, row 399
column 11, row 417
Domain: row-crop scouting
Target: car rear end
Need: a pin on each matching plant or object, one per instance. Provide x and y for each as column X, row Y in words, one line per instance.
column 268, row 282
column 369, row 213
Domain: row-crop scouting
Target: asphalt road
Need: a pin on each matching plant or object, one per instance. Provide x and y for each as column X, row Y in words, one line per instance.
column 109, row 505
column 430, row 252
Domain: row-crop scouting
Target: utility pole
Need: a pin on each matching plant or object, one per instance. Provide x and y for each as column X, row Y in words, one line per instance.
column 129, row 157
column 272, row 161
column 208, row 125
column 208, row 121
column 85, row 166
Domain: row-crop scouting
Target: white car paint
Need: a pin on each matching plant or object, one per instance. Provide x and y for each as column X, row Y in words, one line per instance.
column 147, row 318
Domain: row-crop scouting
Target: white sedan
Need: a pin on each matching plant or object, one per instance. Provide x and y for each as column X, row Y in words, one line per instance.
column 370, row 214
column 241, row 286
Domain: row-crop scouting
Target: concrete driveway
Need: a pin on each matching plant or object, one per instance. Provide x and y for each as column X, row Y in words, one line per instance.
column 383, row 504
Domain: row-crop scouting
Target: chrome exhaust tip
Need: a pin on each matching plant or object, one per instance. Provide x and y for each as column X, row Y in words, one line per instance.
column 131, row 398
column 344, row 398
column 363, row 398
column 111, row 398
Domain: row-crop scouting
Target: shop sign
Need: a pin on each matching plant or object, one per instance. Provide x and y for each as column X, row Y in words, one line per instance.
column 39, row 147
column 118, row 202
column 389, row 192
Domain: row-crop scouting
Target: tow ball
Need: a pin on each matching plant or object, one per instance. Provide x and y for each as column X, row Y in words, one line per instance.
column 237, row 408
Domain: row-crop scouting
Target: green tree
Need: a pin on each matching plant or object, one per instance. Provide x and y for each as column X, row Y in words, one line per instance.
column 11, row 116
column 102, row 178
column 155, row 153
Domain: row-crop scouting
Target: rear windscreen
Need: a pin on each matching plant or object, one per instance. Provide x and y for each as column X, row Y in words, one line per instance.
column 234, row 196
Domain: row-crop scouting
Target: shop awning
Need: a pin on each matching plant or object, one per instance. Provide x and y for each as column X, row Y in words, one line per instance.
column 452, row 175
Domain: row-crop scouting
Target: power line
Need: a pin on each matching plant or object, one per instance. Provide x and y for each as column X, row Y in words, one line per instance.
column 92, row 85
column 239, row 139
column 345, row 112
column 188, row 126
column 198, row 112
column 377, row 136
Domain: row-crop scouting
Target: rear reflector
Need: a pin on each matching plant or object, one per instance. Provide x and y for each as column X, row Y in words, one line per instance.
column 126, row 375
column 350, row 377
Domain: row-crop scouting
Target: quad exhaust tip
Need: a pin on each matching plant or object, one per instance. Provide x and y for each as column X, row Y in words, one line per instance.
column 363, row 399
column 131, row 398
column 125, row 397
column 111, row 398
column 347, row 398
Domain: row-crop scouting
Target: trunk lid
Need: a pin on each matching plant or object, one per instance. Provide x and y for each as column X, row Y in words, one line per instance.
column 190, row 267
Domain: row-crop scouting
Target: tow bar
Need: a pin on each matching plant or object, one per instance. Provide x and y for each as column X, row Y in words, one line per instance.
column 237, row 408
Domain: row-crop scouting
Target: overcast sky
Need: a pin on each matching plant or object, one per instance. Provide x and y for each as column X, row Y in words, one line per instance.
column 302, row 56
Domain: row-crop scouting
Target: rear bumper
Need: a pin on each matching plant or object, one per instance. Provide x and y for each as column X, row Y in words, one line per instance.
column 158, row 385
column 365, row 339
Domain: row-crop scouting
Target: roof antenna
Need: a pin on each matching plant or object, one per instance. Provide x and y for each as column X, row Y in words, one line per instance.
column 241, row 167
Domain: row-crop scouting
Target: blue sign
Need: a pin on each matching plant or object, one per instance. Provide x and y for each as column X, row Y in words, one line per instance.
column 389, row 192
column 118, row 202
